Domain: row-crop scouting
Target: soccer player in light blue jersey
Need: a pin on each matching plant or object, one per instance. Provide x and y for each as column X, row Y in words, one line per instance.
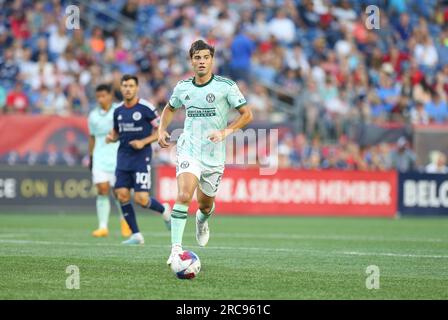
column 208, row 99
column 103, row 159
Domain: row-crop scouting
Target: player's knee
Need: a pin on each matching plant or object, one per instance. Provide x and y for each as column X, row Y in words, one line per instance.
column 141, row 200
column 123, row 197
column 103, row 190
column 184, row 197
column 205, row 207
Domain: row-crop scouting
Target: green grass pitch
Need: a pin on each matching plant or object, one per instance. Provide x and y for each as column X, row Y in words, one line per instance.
column 246, row 258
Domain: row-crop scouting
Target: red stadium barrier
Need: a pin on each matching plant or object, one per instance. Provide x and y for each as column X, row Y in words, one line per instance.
column 29, row 133
column 297, row 192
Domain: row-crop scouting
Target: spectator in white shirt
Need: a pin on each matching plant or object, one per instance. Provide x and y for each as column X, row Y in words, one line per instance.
column 282, row 27
column 437, row 164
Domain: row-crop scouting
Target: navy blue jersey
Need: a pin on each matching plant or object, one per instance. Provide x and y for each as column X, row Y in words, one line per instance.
column 134, row 123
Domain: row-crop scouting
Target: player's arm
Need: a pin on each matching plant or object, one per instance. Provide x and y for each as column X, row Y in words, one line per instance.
column 91, row 147
column 112, row 136
column 240, row 122
column 140, row 144
column 165, row 120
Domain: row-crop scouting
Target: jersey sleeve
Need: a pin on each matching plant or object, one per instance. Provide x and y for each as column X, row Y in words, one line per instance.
column 175, row 101
column 235, row 98
column 153, row 117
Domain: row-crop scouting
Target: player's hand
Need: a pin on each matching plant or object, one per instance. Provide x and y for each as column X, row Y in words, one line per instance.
column 218, row 136
column 137, row 144
column 163, row 137
column 109, row 138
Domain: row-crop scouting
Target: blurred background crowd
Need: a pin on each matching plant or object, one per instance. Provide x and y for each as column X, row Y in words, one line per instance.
column 311, row 64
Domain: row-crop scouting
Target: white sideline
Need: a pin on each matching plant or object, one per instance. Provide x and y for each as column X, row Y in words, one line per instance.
column 351, row 253
column 273, row 236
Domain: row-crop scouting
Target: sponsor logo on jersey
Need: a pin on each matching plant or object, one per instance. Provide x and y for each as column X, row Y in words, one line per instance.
column 194, row 112
column 184, row 164
column 119, row 117
column 210, row 98
column 136, row 116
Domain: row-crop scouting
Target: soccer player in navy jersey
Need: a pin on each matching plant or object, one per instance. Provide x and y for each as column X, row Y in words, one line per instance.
column 134, row 121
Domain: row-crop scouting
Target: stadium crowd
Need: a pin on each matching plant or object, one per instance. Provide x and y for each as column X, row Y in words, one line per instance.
column 318, row 52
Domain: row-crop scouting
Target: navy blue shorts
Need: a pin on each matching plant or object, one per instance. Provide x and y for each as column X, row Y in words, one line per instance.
column 137, row 180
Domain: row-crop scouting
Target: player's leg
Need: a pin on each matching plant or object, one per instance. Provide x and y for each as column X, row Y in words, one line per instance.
column 205, row 210
column 125, row 230
column 142, row 186
column 147, row 202
column 208, row 187
column 102, row 209
column 122, row 190
column 100, row 180
column 186, row 185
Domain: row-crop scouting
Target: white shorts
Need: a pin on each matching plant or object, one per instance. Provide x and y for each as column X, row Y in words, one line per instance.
column 209, row 177
column 100, row 176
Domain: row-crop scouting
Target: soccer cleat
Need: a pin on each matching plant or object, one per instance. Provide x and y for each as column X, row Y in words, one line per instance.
column 100, row 233
column 202, row 231
column 175, row 249
column 166, row 216
column 125, row 230
column 134, row 239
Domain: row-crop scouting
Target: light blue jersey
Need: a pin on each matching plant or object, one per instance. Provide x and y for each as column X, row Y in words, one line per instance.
column 100, row 123
column 207, row 108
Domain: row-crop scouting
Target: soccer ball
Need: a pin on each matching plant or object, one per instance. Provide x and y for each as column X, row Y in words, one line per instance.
column 186, row 265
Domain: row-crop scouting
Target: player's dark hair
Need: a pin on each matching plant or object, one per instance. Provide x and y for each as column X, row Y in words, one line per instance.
column 127, row 77
column 201, row 45
column 104, row 87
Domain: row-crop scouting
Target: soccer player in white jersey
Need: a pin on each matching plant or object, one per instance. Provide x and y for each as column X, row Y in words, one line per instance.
column 103, row 159
column 207, row 99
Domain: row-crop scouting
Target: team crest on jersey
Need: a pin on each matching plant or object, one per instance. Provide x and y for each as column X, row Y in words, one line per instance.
column 210, row 98
column 136, row 116
column 184, row 164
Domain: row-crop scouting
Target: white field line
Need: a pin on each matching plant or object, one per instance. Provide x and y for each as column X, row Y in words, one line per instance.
column 13, row 235
column 280, row 236
column 255, row 249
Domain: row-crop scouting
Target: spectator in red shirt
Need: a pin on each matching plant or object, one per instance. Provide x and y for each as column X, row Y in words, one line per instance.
column 19, row 26
column 17, row 101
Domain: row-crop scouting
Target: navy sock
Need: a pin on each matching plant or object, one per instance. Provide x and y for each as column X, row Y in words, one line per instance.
column 129, row 216
column 155, row 205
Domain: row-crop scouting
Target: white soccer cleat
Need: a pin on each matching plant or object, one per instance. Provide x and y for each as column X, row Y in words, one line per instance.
column 166, row 215
column 202, row 231
column 134, row 239
column 175, row 249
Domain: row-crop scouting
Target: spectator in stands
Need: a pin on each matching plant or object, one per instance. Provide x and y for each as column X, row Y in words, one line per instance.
column 437, row 163
column 437, row 109
column 9, row 70
column 282, row 27
column 241, row 49
column 16, row 100
column 419, row 115
column 58, row 40
column 403, row 158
